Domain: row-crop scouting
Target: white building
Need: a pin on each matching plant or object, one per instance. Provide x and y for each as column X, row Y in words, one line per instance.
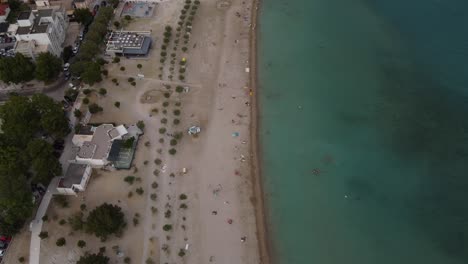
column 128, row 43
column 95, row 143
column 44, row 27
column 75, row 179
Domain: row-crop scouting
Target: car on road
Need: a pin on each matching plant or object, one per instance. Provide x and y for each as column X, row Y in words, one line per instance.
column 66, row 66
column 75, row 49
column 5, row 238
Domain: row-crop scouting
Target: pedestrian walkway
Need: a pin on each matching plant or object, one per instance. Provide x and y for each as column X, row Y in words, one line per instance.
column 36, row 224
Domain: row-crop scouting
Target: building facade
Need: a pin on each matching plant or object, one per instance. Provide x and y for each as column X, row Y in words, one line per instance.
column 44, row 27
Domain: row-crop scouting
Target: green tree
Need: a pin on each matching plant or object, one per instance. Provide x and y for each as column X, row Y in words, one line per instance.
column 88, row 50
column 91, row 73
column 61, row 242
column 20, row 120
column 52, row 120
column 48, row 67
column 93, row 259
column 16, row 69
column 67, row 53
column 83, row 16
column 43, row 161
column 105, row 220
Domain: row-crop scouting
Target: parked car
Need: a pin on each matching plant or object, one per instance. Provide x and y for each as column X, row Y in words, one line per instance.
column 3, row 245
column 66, row 66
column 5, row 238
column 2, row 252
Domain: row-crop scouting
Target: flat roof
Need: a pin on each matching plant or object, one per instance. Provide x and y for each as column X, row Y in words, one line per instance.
column 143, row 50
column 101, row 142
column 73, row 175
column 86, row 130
column 87, row 150
column 24, row 15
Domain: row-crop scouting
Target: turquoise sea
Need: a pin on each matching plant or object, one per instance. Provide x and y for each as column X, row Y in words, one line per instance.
column 364, row 130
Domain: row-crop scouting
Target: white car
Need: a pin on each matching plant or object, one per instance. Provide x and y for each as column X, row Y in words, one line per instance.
column 66, row 66
column 2, row 252
column 75, row 50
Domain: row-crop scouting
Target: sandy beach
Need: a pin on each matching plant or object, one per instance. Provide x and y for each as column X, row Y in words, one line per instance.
column 222, row 219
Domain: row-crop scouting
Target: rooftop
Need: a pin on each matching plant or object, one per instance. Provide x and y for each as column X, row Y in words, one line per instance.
column 86, row 130
column 136, row 42
column 73, row 175
column 24, row 15
column 38, row 26
column 101, row 143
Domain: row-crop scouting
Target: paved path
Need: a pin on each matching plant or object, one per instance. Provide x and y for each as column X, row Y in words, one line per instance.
column 36, row 224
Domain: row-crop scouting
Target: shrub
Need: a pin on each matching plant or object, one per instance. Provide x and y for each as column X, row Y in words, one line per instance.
column 81, row 244
column 130, row 79
column 163, row 47
column 168, row 214
column 167, row 95
column 154, row 185
column 172, row 151
column 105, row 72
column 166, row 40
column 165, row 104
column 140, row 191
column 173, row 55
column 162, row 130
column 176, row 121
column 153, row 196
column 44, row 235
column 82, row 207
column 60, row 242
column 117, row 104
column 129, row 179
column 181, row 77
column 116, row 24
column 158, row 161
column 154, row 209
column 163, row 54
column 77, row 113
column 178, row 135
column 168, row 28
column 183, row 196
column 94, row 108
column 127, row 260
column 167, row 227
column 62, row 222
column 184, row 49
column 161, row 140
column 122, row 68
column 116, row 60
column 164, row 111
column 181, row 70
column 130, row 194
column 21, row 259
column 179, row 89
column 181, row 252
column 140, row 124
column 114, row 80
column 173, row 142
column 87, row 91
column 183, row 206
column 85, row 101
column 133, row 83
column 102, row 91
column 139, row 66
column 177, row 104
column 176, row 112
column 135, row 221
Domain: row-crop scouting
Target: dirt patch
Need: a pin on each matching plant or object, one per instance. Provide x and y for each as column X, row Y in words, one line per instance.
column 151, row 97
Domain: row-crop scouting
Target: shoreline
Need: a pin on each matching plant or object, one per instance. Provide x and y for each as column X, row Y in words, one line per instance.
column 258, row 194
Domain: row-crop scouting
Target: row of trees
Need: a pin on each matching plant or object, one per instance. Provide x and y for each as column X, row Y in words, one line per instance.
column 19, row 69
column 24, row 156
column 86, row 65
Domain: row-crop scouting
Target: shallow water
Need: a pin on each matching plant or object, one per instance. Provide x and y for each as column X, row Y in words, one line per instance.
column 372, row 95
